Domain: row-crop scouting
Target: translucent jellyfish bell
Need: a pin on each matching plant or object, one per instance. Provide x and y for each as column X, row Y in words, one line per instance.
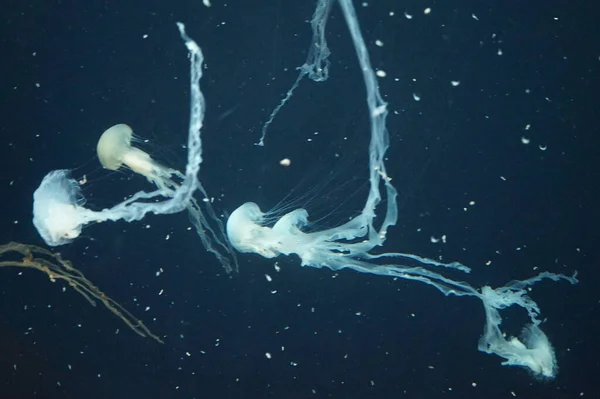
column 350, row 245
column 58, row 212
column 248, row 233
column 114, row 150
column 245, row 230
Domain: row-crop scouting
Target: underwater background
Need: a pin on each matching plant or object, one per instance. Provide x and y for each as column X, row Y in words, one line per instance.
column 493, row 149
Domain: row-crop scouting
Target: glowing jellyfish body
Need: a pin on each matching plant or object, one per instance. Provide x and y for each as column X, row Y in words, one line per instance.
column 349, row 245
column 114, row 150
column 58, row 212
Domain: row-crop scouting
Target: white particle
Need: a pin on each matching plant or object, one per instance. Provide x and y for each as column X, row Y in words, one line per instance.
column 268, row 355
column 416, row 97
column 285, row 162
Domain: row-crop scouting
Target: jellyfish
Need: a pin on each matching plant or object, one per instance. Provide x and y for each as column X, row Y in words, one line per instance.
column 533, row 350
column 59, row 213
column 115, row 150
column 58, row 209
column 14, row 254
column 351, row 245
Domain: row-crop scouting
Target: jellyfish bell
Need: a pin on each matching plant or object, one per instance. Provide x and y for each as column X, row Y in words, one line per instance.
column 115, row 150
column 58, row 212
column 247, row 233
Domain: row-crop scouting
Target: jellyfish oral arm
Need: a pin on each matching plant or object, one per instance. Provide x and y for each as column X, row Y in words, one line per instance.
column 533, row 349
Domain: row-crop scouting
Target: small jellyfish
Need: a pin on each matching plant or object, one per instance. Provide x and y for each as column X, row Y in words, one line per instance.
column 114, row 150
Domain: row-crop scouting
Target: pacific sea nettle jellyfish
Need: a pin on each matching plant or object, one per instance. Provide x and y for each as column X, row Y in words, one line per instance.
column 59, row 213
column 350, row 245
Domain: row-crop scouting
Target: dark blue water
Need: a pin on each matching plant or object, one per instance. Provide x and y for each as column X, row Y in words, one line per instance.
column 71, row 69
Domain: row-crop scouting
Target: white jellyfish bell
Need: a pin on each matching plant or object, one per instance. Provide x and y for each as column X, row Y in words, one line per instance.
column 114, row 151
column 58, row 212
column 351, row 245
